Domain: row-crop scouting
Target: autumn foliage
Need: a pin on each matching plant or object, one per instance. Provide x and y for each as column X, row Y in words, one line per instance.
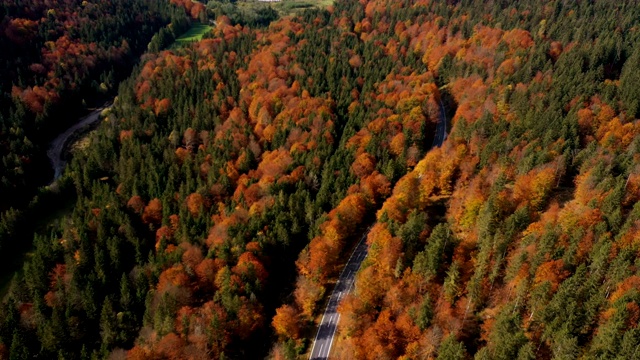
column 223, row 194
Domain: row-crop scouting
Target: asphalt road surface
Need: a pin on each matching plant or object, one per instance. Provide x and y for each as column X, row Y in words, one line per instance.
column 328, row 325
column 441, row 128
column 58, row 144
column 327, row 330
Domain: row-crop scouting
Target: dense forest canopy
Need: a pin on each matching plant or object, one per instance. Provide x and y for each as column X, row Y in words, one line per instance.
column 228, row 183
column 57, row 56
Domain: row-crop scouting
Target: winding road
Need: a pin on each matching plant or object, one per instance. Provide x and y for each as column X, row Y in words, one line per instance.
column 329, row 323
column 59, row 143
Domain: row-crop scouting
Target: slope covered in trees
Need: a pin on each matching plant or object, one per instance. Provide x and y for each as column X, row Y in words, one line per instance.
column 58, row 59
column 227, row 184
column 57, row 56
column 534, row 256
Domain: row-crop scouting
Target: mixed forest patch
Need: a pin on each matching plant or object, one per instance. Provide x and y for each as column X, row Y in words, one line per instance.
column 59, row 58
column 219, row 198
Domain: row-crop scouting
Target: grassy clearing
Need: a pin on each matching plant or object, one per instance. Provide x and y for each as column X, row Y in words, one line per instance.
column 290, row 7
column 284, row 7
column 195, row 33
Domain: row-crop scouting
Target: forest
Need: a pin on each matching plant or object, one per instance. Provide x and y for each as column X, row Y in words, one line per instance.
column 225, row 188
column 58, row 59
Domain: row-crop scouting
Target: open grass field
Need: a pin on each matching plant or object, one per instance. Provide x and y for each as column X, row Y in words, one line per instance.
column 284, row 7
column 289, row 7
column 196, row 33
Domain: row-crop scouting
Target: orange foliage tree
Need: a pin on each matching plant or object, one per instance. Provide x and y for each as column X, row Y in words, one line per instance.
column 153, row 212
column 286, row 322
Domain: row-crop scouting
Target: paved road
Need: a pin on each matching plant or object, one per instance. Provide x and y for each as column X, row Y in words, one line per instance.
column 328, row 325
column 58, row 144
column 441, row 128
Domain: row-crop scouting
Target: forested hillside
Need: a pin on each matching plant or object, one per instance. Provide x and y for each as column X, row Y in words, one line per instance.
column 58, row 59
column 231, row 178
column 536, row 254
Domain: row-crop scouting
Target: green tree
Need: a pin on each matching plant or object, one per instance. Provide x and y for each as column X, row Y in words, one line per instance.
column 436, row 253
column 451, row 349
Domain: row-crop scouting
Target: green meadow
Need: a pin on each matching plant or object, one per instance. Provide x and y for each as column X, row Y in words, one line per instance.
column 195, row 33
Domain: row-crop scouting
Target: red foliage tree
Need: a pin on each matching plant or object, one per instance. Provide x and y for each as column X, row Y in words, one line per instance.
column 171, row 346
column 363, row 165
column 286, row 322
column 195, row 204
column 162, row 106
column 136, row 204
column 249, row 266
column 153, row 212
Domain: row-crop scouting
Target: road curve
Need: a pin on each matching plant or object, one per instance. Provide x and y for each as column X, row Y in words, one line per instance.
column 57, row 146
column 328, row 325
